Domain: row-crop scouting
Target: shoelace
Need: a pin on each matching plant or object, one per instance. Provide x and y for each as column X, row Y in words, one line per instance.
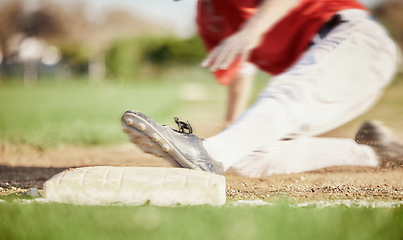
column 183, row 127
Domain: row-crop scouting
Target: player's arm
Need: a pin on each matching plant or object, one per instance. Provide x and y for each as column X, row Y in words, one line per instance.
column 249, row 36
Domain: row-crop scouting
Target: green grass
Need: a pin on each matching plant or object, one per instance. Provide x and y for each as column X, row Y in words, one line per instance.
column 87, row 114
column 73, row 113
column 58, row 221
column 81, row 113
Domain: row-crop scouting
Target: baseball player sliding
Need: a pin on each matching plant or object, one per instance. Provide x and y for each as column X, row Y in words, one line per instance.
column 330, row 60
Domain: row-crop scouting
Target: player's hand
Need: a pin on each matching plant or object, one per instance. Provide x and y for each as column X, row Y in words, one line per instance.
column 238, row 45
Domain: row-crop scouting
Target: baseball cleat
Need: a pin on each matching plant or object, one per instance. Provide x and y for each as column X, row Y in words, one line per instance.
column 387, row 147
column 178, row 147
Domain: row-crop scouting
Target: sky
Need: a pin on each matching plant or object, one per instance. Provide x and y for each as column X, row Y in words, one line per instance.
column 176, row 15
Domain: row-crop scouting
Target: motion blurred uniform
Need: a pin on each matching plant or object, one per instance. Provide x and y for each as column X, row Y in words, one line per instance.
column 283, row 44
column 330, row 62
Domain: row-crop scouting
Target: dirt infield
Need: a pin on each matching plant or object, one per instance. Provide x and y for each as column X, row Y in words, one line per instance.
column 23, row 167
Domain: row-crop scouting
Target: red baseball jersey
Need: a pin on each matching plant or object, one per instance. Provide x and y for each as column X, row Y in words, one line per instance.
column 282, row 45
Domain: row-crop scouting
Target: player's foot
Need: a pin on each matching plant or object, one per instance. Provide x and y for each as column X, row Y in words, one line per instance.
column 182, row 146
column 388, row 148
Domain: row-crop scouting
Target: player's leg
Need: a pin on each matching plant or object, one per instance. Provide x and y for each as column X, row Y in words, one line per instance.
column 337, row 79
column 374, row 146
column 238, row 93
column 305, row 154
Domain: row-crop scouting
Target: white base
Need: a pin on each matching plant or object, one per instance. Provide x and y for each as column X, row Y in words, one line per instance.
column 136, row 186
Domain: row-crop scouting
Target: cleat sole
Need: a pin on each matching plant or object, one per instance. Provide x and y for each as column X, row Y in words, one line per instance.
column 161, row 147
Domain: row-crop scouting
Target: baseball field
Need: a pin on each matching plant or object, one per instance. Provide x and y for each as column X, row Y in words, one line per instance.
column 57, row 125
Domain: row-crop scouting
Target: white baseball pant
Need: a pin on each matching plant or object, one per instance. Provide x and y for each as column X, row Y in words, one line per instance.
column 337, row 79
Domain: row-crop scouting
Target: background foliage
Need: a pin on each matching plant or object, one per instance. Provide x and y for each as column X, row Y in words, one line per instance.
column 130, row 57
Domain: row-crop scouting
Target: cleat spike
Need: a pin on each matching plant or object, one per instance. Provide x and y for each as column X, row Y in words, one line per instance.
column 141, row 126
column 147, row 151
column 129, row 121
column 166, row 148
column 155, row 137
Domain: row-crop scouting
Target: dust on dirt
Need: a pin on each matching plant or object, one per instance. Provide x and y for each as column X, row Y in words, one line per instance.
column 23, row 167
column 329, row 184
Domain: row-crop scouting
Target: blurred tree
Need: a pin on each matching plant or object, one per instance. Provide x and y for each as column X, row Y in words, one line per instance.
column 171, row 50
column 127, row 57
column 18, row 22
column 84, row 39
column 119, row 35
column 42, row 23
column 9, row 17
